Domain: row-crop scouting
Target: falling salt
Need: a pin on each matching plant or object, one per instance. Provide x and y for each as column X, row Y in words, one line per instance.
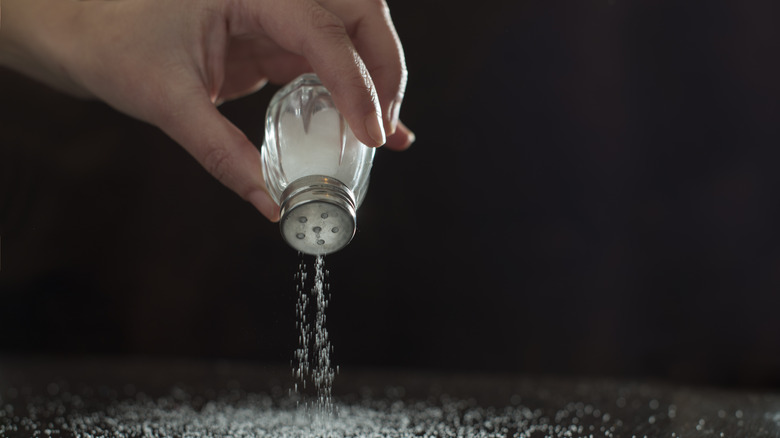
column 312, row 357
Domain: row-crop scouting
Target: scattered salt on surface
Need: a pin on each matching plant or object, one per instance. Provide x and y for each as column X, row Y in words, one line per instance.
column 242, row 415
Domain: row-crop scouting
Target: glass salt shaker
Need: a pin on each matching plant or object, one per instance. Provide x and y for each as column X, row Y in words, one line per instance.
column 314, row 167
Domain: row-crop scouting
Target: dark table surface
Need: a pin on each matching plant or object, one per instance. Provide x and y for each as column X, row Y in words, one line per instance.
column 133, row 397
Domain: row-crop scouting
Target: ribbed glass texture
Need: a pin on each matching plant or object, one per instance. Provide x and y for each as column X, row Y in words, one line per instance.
column 306, row 135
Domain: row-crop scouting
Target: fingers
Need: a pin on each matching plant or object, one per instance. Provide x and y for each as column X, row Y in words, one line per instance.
column 377, row 41
column 306, row 28
column 401, row 139
column 220, row 147
column 251, row 62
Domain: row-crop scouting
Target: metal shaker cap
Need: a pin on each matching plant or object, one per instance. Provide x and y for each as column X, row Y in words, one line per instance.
column 317, row 215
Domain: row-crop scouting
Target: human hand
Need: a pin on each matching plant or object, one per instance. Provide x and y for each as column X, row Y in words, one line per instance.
column 169, row 63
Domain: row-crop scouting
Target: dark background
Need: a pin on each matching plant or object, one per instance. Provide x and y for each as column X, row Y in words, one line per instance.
column 594, row 191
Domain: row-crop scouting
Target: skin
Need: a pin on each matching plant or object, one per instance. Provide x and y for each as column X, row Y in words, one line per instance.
column 169, row 63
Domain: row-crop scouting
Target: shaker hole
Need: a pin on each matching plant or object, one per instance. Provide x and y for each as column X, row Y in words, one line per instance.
column 302, row 219
column 320, row 242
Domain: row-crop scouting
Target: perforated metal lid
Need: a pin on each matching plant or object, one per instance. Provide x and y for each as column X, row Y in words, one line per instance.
column 318, row 215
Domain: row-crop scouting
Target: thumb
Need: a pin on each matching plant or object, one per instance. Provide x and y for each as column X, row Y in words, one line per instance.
column 221, row 148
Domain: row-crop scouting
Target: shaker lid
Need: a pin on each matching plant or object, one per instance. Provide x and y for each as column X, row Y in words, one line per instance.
column 317, row 215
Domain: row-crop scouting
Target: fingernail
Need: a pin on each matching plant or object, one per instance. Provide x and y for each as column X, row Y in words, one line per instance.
column 391, row 122
column 264, row 204
column 375, row 130
column 412, row 138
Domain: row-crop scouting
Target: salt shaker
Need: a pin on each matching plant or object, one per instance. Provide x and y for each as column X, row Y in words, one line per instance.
column 314, row 167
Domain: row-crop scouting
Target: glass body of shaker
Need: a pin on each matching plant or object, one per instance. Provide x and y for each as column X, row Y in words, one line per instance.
column 314, row 167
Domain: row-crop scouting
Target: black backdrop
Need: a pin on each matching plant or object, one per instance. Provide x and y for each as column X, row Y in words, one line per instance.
column 593, row 192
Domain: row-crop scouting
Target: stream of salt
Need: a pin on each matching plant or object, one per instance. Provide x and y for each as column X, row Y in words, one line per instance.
column 312, row 357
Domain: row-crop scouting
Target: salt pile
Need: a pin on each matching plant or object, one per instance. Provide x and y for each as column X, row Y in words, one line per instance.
column 610, row 411
column 252, row 415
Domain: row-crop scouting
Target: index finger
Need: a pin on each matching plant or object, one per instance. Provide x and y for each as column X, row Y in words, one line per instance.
column 376, row 39
column 306, row 28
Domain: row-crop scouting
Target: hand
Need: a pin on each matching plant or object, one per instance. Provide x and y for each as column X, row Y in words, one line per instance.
column 170, row 62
